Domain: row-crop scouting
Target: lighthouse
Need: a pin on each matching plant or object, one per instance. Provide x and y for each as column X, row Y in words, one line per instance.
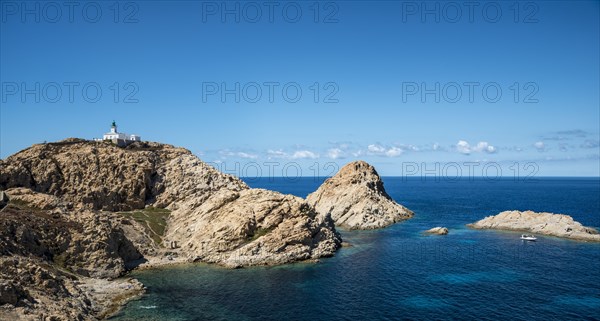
column 121, row 139
column 113, row 128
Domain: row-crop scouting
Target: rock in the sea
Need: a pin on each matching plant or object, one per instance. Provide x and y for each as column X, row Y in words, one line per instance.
column 355, row 199
column 558, row 225
column 437, row 231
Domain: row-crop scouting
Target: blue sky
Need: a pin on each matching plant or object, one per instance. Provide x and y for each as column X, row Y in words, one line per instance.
column 370, row 61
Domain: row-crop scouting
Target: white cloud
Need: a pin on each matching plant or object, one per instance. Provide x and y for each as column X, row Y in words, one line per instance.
column 276, row 154
column 228, row 153
column 300, row 154
column 484, row 147
column 335, row 153
column 393, row 152
column 374, row 148
column 379, row 150
column 540, row 146
column 464, row 147
column 246, row 155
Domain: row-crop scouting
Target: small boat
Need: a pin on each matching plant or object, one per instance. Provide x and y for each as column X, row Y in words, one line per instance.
column 526, row 237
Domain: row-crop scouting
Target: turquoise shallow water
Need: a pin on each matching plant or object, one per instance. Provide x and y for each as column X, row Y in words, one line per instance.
column 396, row 273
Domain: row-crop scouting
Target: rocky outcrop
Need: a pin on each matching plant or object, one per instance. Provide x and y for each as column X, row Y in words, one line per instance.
column 84, row 210
column 558, row 225
column 217, row 218
column 356, row 199
column 437, row 231
column 252, row 227
column 32, row 289
column 94, row 175
column 209, row 208
column 36, row 290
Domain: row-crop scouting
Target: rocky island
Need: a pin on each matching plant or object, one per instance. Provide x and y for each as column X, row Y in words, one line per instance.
column 437, row 231
column 356, row 199
column 558, row 225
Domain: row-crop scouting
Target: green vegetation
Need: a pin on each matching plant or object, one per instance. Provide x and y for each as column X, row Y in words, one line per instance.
column 153, row 219
column 260, row 232
column 61, row 260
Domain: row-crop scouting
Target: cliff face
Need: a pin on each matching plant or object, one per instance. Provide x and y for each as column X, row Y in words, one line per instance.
column 356, row 199
column 559, row 225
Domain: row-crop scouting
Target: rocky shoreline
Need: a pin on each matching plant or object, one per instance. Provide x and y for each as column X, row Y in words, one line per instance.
column 77, row 215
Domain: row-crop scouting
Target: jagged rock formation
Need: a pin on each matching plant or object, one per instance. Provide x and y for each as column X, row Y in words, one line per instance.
column 88, row 244
column 559, row 225
column 93, row 175
column 437, row 231
column 355, row 199
column 65, row 217
column 38, row 291
column 250, row 227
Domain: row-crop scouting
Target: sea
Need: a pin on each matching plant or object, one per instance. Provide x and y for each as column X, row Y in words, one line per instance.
column 397, row 273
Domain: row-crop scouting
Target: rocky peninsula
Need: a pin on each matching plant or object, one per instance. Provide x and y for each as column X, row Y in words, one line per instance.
column 558, row 225
column 81, row 213
column 356, row 199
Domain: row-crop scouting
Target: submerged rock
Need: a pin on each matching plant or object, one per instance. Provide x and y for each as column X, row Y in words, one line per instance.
column 356, row 199
column 559, row 225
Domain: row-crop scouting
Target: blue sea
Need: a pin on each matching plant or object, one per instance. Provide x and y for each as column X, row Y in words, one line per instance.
column 397, row 273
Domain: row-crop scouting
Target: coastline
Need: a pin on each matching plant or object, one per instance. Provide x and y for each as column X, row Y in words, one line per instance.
column 542, row 223
column 110, row 296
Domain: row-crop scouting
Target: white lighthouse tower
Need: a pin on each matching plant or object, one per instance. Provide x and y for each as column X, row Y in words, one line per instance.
column 113, row 128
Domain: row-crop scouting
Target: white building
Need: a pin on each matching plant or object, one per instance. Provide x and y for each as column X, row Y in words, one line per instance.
column 117, row 137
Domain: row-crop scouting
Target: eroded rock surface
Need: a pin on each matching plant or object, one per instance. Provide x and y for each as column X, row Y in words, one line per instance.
column 252, row 227
column 356, row 199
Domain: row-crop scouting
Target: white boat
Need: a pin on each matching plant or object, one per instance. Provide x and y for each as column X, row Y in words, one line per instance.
column 526, row 237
